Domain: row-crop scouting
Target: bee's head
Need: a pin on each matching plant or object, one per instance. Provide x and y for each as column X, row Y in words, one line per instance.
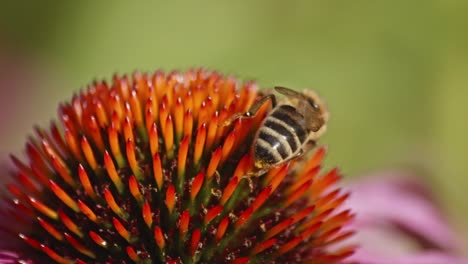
column 320, row 114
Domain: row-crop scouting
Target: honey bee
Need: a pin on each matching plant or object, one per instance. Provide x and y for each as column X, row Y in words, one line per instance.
column 290, row 129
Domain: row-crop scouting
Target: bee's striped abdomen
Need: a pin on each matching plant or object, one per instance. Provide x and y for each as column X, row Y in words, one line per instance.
column 281, row 135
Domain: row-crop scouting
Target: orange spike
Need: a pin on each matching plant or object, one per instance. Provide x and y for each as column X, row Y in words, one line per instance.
column 98, row 239
column 311, row 230
column 211, row 132
column 309, row 175
column 242, row 166
column 214, row 161
column 278, row 228
column 303, row 213
column 168, row 134
column 123, row 232
column 203, row 114
column 188, row 123
column 96, row 133
column 337, row 220
column 184, row 222
column 194, row 242
column 261, row 198
column 30, row 241
column 63, row 196
column 116, row 106
column 163, row 113
column 78, row 246
column 223, row 116
column 290, row 245
column 15, row 191
column 151, row 112
column 157, row 171
column 56, row 257
column 101, row 114
column 45, row 210
column 112, row 172
column 116, row 122
column 182, row 158
column 314, row 220
column 324, row 237
column 179, row 118
column 57, row 138
column 221, row 230
column 113, row 205
column 147, row 214
column 336, row 202
column 229, row 190
column 241, row 260
column 279, row 177
column 197, row 95
column 199, row 143
column 188, row 100
column 340, row 237
column 42, row 176
column 132, row 254
column 315, row 161
column 322, row 183
column 63, row 171
column 244, row 217
column 248, row 94
column 87, row 211
column 263, row 246
column 154, row 139
column 88, row 152
column 170, row 198
column 50, row 229
column 28, row 182
column 72, row 226
column 212, row 214
column 322, row 201
column 73, row 145
column 49, row 150
column 297, row 194
column 159, row 237
column 228, row 144
column 196, row 185
column 86, row 183
column 128, row 129
column 135, row 190
column 215, row 98
column 136, row 108
column 132, row 161
column 115, row 145
column 123, row 87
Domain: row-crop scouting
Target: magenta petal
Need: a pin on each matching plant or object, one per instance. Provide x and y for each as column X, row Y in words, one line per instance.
column 398, row 200
column 8, row 257
column 427, row 257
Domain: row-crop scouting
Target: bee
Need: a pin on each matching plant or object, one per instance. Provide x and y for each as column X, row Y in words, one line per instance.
column 290, row 129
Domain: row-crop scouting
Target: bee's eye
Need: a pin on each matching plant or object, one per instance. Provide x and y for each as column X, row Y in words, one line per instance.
column 313, row 104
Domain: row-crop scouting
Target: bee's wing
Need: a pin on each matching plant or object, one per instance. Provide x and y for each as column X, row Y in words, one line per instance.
column 289, row 92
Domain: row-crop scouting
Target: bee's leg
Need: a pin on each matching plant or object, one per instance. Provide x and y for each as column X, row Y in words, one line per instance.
column 253, row 109
column 299, row 153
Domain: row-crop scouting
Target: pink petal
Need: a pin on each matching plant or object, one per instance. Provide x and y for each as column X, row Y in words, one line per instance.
column 398, row 221
column 397, row 199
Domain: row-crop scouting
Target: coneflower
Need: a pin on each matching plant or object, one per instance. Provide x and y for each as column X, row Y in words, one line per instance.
column 141, row 170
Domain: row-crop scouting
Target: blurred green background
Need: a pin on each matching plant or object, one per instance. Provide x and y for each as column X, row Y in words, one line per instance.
column 394, row 73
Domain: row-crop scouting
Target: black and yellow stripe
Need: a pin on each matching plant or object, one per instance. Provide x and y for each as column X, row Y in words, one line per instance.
column 281, row 136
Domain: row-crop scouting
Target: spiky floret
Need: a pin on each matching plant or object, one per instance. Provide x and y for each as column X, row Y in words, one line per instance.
column 142, row 171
